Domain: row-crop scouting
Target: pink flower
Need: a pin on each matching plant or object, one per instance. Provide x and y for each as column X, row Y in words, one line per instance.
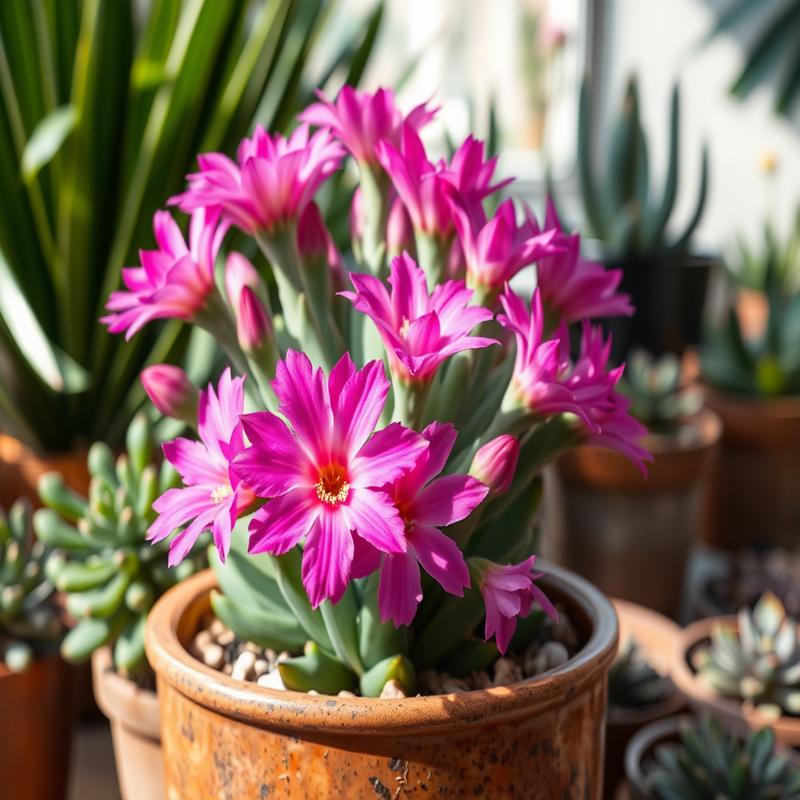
column 213, row 496
column 239, row 272
column 360, row 120
column 253, row 325
column 399, row 230
column 427, row 503
column 419, row 183
column 271, row 183
column 170, row 391
column 496, row 250
column 471, row 174
column 575, row 288
column 508, row 593
column 495, row 464
column 323, row 470
column 174, row 281
column 419, row 330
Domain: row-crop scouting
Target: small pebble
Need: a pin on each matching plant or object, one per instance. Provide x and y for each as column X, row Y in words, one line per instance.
column 213, row 656
column 555, row 653
column 253, row 648
column 312, row 691
column 270, row 655
column 216, row 628
column 392, row 690
column 260, row 666
column 271, row 680
column 243, row 666
column 506, row 672
column 226, row 637
column 454, row 685
column 345, row 693
column 282, row 656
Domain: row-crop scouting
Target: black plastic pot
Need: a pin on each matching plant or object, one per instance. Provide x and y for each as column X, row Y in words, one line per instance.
column 669, row 295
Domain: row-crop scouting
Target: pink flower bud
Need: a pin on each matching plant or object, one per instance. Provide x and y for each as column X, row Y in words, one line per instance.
column 253, row 325
column 239, row 272
column 496, row 462
column 313, row 239
column 399, row 230
column 171, row 391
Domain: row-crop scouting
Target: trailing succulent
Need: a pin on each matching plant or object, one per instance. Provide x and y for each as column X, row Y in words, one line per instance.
column 29, row 621
column 623, row 211
column 709, row 764
column 653, row 385
column 110, row 574
column 633, row 683
column 768, row 365
column 758, row 661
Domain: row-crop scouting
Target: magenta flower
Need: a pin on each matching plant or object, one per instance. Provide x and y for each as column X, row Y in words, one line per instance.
column 213, row 495
column 360, row 120
column 239, row 272
column 271, row 183
column 471, row 173
column 427, row 503
column 495, row 463
column 497, row 249
column 170, row 391
column 323, row 470
column 174, row 281
column 573, row 287
column 508, row 594
column 418, row 329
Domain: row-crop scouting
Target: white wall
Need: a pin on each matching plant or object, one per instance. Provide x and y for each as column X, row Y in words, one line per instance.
column 659, row 39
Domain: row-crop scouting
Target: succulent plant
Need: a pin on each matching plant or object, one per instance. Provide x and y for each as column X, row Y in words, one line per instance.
column 29, row 621
column 624, row 212
column 710, row 763
column 758, row 661
column 633, row 683
column 654, row 386
column 110, row 574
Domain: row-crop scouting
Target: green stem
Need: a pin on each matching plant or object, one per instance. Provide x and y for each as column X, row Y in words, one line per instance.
column 432, row 252
column 375, row 195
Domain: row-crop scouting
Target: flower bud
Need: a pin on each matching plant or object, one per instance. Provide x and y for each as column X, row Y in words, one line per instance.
column 171, row 392
column 239, row 272
column 318, row 252
column 253, row 325
column 496, row 462
column 399, row 230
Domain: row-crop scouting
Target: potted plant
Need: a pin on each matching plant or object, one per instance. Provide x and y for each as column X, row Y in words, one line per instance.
column 35, row 726
column 598, row 503
column 639, row 688
column 110, row 578
column 680, row 758
column 753, row 383
column 665, row 280
column 109, row 103
column 744, row 669
column 348, row 481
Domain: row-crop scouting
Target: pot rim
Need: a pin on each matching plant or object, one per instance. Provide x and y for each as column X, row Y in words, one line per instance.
column 699, row 694
column 706, row 422
column 346, row 716
column 781, row 407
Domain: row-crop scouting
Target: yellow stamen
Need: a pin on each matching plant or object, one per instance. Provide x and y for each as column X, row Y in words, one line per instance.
column 221, row 493
column 332, row 487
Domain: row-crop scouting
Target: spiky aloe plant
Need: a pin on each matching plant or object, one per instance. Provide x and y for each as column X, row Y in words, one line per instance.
column 29, row 622
column 111, row 576
column 622, row 207
column 633, row 683
column 770, row 364
column 758, row 661
column 654, row 386
column 710, row 763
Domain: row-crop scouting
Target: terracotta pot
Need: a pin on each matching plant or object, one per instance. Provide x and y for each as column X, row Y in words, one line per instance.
column 35, row 731
column 655, row 635
column 702, row 698
column 628, row 534
column 134, row 717
column 754, row 501
column 21, row 468
column 227, row 738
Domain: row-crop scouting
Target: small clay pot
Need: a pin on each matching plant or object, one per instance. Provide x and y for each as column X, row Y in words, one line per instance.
column 134, row 717
column 655, row 636
column 539, row 738
column 628, row 534
column 753, row 500
column 703, row 699
column 21, row 468
column 35, row 731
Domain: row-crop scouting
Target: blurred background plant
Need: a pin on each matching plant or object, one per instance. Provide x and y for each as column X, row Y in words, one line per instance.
column 100, row 560
column 633, row 683
column 29, row 620
column 103, row 106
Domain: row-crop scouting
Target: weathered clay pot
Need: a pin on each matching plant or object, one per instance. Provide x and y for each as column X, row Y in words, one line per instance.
column 540, row 738
column 754, row 501
column 702, row 698
column 655, row 635
column 35, row 731
column 21, row 468
column 628, row 534
column 134, row 717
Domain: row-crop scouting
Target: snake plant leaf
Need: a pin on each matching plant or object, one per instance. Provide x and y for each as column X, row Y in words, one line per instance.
column 47, row 139
column 682, row 243
column 589, row 191
column 277, row 630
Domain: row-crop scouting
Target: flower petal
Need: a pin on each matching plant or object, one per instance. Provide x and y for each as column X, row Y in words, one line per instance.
column 372, row 514
column 400, row 590
column 441, row 558
column 280, row 524
column 327, row 559
column 449, row 499
column 386, row 456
